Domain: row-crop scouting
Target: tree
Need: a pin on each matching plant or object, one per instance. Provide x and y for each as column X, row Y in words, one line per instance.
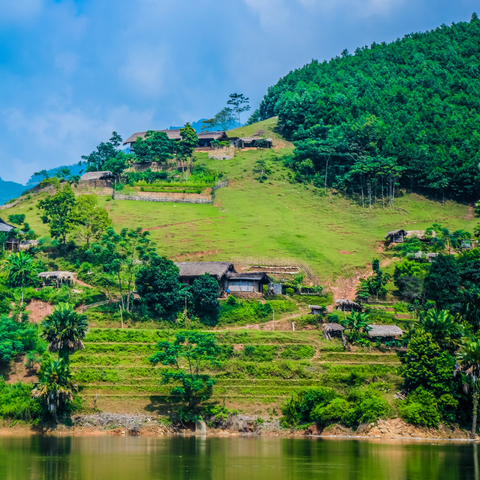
column 189, row 141
column 54, row 386
column 105, row 151
column 223, row 120
column 21, row 270
column 355, row 323
column 239, row 104
column 122, row 255
column 155, row 147
column 90, row 220
column 159, row 286
column 376, row 283
column 442, row 282
column 426, row 365
column 17, row 219
column 14, row 335
column 443, row 327
column 205, row 299
column 56, row 210
column 64, row 329
column 188, row 354
column 469, row 363
column 118, row 164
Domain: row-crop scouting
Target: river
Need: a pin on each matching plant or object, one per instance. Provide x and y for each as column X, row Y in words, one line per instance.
column 232, row 458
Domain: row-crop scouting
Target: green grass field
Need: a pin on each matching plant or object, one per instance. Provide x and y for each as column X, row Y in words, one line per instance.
column 274, row 220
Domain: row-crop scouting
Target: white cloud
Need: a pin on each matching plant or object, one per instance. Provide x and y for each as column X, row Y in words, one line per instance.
column 270, row 12
column 147, row 69
column 362, row 8
column 60, row 137
column 20, row 10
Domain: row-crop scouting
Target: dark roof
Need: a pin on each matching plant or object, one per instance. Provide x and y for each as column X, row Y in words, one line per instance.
column 345, row 301
column 395, row 232
column 333, row 327
column 196, row 269
column 384, row 331
column 96, row 176
column 175, row 135
column 247, row 276
column 5, row 227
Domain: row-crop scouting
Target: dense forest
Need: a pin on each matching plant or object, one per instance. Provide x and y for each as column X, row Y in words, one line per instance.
column 398, row 114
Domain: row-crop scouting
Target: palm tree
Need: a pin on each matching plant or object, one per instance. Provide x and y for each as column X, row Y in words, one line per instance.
column 65, row 329
column 55, row 386
column 355, row 323
column 20, row 270
column 469, row 362
column 443, row 327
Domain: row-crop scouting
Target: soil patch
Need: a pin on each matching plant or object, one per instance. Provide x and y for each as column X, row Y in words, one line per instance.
column 38, row 310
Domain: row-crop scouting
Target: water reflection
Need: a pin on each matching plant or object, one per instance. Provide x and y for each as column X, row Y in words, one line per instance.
column 177, row 458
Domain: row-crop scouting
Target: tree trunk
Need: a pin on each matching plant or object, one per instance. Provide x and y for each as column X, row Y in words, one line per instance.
column 475, row 408
column 326, row 173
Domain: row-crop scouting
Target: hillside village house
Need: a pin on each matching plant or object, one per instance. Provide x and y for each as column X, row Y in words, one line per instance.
column 225, row 274
column 205, row 139
column 12, row 241
column 398, row 236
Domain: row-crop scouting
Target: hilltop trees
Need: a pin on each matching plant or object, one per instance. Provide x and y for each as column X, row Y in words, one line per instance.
column 188, row 142
column 239, row 104
column 105, row 151
column 155, row 147
column 387, row 103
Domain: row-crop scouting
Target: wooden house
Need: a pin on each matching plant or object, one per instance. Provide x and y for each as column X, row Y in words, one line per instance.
column 189, row 271
column 316, row 309
column 384, row 331
column 57, row 278
column 346, row 305
column 396, row 236
column 331, row 330
column 255, row 142
column 12, row 241
column 246, row 282
column 205, row 139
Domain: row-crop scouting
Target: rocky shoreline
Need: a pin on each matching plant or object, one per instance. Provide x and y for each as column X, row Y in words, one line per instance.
column 234, row 425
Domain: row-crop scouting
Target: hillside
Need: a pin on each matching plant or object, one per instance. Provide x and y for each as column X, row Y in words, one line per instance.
column 9, row 190
column 407, row 110
column 276, row 220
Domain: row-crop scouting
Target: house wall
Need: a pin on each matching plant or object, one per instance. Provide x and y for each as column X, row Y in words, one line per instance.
column 243, row 286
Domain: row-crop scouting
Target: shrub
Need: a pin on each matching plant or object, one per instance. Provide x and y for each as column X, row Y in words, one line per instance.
column 297, row 352
column 420, row 408
column 16, row 402
column 290, row 291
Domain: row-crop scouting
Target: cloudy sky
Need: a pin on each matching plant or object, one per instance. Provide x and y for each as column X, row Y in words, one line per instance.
column 72, row 71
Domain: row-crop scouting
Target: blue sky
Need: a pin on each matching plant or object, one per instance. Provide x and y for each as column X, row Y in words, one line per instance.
column 71, row 72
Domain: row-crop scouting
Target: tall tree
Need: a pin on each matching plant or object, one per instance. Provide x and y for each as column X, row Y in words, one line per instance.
column 442, row 282
column 239, row 104
column 469, row 364
column 189, row 141
column 188, row 355
column 65, row 329
column 21, row 270
column 56, row 210
column 105, row 151
column 205, row 299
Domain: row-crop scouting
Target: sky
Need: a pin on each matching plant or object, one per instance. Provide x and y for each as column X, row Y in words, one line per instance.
column 71, row 72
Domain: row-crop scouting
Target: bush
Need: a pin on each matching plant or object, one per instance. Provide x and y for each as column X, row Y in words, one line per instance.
column 420, row 408
column 16, row 402
column 290, row 291
column 298, row 352
column 17, row 219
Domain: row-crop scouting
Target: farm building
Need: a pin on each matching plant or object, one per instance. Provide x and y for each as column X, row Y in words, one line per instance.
column 97, row 179
column 384, row 331
column 346, row 305
column 396, row 236
column 189, row 271
column 332, row 330
column 256, row 142
column 57, row 278
column 246, row 282
column 316, row 309
column 12, row 241
column 204, row 138
column 429, row 257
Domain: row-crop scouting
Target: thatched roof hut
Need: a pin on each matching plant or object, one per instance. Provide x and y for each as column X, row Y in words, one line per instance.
column 89, row 176
column 396, row 236
column 5, row 227
column 189, row 271
column 316, row 309
column 385, row 331
column 57, row 277
column 204, row 138
column 253, row 142
column 347, row 305
column 332, row 330
column 420, row 234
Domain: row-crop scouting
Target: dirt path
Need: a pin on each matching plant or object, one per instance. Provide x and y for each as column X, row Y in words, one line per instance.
column 470, row 215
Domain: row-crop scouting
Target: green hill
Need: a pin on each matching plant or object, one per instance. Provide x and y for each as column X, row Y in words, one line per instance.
column 407, row 110
column 276, row 220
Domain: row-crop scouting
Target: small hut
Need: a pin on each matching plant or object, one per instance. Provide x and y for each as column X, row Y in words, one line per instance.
column 316, row 309
column 384, row 331
column 331, row 330
column 346, row 305
column 189, row 271
column 255, row 142
column 396, row 236
column 57, row 278
column 12, row 241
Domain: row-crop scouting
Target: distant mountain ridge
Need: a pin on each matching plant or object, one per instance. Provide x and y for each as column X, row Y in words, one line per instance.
column 9, row 190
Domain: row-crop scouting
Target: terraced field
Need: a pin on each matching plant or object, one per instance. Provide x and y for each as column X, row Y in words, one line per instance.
column 258, row 368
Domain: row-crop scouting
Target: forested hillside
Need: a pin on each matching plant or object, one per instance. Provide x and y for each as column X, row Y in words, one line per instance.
column 404, row 113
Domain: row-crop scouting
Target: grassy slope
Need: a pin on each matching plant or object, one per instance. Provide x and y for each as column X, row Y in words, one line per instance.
column 274, row 220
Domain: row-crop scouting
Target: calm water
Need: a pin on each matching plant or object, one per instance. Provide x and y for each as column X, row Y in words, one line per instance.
column 144, row 458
